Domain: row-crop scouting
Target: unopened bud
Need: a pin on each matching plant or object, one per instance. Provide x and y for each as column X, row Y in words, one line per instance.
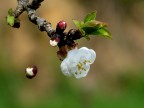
column 61, row 26
column 53, row 42
column 74, row 34
column 31, row 72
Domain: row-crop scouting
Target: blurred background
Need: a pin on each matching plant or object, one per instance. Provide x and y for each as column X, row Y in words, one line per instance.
column 116, row 79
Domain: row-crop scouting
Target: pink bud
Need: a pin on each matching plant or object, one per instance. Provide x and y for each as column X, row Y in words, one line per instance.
column 61, row 26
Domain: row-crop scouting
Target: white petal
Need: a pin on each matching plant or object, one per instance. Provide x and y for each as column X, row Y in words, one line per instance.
column 84, row 48
column 84, row 55
column 93, row 56
column 72, row 57
column 88, row 54
column 65, row 68
column 72, row 53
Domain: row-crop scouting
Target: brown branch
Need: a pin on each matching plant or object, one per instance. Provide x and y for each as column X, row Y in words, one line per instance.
column 63, row 38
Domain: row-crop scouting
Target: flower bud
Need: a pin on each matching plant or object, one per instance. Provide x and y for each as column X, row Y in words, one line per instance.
column 31, row 72
column 55, row 41
column 74, row 34
column 61, row 26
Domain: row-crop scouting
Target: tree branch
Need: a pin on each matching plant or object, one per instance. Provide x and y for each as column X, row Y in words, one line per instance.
column 35, row 4
column 43, row 25
column 20, row 8
column 62, row 38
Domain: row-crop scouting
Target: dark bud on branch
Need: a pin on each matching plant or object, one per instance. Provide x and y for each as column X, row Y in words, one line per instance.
column 61, row 26
column 31, row 71
column 74, row 34
column 55, row 40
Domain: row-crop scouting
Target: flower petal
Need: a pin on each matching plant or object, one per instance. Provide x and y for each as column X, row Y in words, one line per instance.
column 88, row 54
column 65, row 68
column 93, row 56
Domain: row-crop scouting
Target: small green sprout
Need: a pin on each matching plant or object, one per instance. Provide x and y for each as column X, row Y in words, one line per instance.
column 90, row 26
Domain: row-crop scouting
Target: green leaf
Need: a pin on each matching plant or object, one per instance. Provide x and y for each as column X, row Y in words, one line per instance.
column 89, row 30
column 104, row 32
column 90, row 16
column 97, row 31
column 94, row 23
column 10, row 20
column 77, row 23
column 90, row 26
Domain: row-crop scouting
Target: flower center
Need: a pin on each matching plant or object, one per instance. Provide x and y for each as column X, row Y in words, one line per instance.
column 80, row 66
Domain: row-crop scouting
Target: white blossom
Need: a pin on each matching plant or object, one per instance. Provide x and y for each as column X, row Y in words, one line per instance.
column 78, row 62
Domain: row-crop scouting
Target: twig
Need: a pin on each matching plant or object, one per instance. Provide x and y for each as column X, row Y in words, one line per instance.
column 64, row 40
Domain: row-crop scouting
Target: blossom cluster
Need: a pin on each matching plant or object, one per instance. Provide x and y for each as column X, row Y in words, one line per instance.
column 74, row 61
